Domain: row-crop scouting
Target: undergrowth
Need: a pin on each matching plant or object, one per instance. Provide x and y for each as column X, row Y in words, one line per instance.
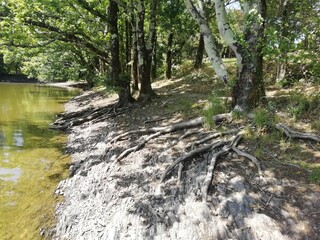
column 302, row 106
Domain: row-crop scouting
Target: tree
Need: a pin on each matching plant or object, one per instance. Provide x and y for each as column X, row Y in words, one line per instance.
column 248, row 89
column 200, row 51
column 292, row 34
column 122, row 84
column 145, row 48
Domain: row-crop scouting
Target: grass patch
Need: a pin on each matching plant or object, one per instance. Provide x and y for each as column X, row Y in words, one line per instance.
column 315, row 175
column 302, row 106
column 263, row 118
column 216, row 105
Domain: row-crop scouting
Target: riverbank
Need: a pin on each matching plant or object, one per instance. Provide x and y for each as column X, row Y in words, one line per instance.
column 17, row 78
column 108, row 199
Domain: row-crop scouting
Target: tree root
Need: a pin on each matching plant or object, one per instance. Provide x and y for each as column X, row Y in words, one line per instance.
column 91, row 114
column 219, row 147
column 294, row 134
column 224, row 150
column 175, row 127
column 191, row 154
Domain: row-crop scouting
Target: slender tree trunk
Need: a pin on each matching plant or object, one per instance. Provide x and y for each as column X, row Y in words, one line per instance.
column 210, row 42
column 284, row 45
column 154, row 60
column 128, row 46
column 200, row 51
column 122, row 85
column 169, row 56
column 144, row 50
column 134, row 63
column 134, row 50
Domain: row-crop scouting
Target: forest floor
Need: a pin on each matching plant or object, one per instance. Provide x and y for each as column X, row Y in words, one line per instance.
column 110, row 198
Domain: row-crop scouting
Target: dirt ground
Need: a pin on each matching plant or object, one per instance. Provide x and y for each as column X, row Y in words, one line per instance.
column 105, row 199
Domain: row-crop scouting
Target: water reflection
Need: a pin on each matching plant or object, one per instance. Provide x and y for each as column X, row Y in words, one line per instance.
column 9, row 174
column 29, row 154
column 18, row 138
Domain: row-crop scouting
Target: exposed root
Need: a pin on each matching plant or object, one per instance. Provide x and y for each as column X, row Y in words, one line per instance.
column 212, row 136
column 208, row 179
column 248, row 156
column 191, row 154
column 90, row 114
column 137, row 147
column 218, row 147
column 294, row 134
column 175, row 127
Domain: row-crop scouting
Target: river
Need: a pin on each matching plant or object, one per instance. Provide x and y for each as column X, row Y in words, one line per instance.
column 32, row 161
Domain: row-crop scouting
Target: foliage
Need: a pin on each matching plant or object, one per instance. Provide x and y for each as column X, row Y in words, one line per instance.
column 263, row 118
column 301, row 105
column 292, row 40
column 216, row 104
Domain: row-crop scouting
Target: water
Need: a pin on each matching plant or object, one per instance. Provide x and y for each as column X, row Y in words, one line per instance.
column 31, row 158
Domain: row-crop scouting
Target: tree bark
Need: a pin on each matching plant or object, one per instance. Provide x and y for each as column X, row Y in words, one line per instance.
column 210, row 42
column 154, row 60
column 169, row 56
column 128, row 45
column 122, row 85
column 134, row 50
column 144, row 59
column 249, row 91
column 200, row 51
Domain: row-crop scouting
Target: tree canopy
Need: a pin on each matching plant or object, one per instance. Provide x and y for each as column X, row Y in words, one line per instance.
column 82, row 40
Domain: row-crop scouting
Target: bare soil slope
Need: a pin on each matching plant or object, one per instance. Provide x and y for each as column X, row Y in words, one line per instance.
column 108, row 199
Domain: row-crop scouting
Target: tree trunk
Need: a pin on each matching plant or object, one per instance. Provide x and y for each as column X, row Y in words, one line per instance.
column 144, row 61
column 154, row 61
column 282, row 61
column 249, row 91
column 134, row 50
column 122, row 85
column 128, row 46
column 169, row 56
column 210, row 42
column 200, row 51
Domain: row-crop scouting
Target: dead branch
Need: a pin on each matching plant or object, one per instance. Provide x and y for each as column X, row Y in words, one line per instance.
column 294, row 134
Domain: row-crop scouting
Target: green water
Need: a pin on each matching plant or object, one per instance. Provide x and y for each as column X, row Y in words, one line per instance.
column 31, row 158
